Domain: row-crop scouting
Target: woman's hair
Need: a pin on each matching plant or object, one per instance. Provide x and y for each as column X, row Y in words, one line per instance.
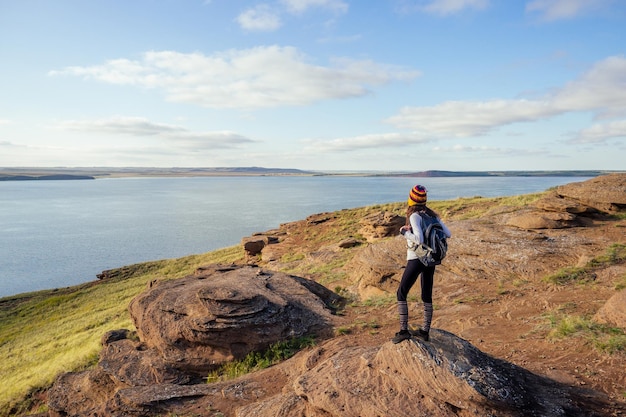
column 419, row 208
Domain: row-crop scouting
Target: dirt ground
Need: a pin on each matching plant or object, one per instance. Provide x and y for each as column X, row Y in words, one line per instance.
column 506, row 310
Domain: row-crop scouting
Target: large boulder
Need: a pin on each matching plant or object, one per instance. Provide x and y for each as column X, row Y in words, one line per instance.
column 447, row 376
column 225, row 312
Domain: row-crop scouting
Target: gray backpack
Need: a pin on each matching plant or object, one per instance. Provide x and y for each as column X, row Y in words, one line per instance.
column 435, row 246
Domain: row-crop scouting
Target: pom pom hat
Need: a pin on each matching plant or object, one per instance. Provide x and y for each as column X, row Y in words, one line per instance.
column 417, row 196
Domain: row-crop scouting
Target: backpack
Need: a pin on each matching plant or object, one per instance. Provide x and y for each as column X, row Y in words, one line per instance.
column 435, row 245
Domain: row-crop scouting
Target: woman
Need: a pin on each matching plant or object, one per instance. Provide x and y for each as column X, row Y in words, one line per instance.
column 413, row 233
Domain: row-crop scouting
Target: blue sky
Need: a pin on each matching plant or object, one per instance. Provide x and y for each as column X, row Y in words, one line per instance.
column 378, row 85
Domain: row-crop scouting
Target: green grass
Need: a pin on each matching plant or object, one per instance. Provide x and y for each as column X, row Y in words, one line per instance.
column 619, row 216
column 255, row 361
column 614, row 254
column 379, row 301
column 46, row 333
column 571, row 274
column 603, row 337
column 371, row 326
column 476, row 207
column 292, row 257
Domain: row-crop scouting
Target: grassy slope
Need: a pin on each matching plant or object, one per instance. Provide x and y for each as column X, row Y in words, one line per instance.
column 45, row 333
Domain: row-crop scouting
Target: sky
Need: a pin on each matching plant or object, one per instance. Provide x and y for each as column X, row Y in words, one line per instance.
column 342, row 85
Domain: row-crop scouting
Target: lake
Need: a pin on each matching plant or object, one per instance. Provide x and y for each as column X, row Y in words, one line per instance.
column 60, row 233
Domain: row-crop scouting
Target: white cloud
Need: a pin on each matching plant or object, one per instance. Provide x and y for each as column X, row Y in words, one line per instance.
column 600, row 133
column 490, row 151
column 137, row 126
column 600, row 91
column 381, row 140
column 465, row 119
column 441, row 7
column 563, row 9
column 268, row 76
column 263, row 18
column 301, row 6
column 260, row 18
column 447, row 7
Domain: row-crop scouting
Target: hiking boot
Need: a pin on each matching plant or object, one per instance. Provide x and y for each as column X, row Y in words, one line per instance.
column 400, row 336
column 419, row 333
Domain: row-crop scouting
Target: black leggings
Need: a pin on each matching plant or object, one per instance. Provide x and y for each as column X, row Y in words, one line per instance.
column 413, row 269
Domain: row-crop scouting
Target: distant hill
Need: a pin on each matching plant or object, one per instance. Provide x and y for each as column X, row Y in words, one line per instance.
column 65, row 173
column 436, row 173
column 247, row 170
column 45, row 177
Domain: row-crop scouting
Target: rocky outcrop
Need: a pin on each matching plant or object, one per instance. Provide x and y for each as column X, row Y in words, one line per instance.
column 257, row 247
column 225, row 312
column 189, row 326
column 381, row 224
column 572, row 204
column 542, row 219
column 446, row 376
column 606, row 193
column 253, row 245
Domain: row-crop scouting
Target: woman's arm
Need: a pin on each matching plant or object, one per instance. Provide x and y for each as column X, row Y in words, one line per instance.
column 415, row 234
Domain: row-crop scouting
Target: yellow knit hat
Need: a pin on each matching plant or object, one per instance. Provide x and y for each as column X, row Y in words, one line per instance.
column 417, row 196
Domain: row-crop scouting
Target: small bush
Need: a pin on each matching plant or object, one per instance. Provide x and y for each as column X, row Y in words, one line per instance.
column 568, row 326
column 614, row 254
column 612, row 344
column 570, row 274
column 343, row 330
column 255, row 361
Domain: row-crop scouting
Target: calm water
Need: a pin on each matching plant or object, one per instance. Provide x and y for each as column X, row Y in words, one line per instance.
column 60, row 233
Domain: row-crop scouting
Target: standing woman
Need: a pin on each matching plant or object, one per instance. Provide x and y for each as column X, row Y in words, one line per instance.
column 414, row 235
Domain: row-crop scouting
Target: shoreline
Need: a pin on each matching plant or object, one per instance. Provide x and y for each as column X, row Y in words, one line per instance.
column 82, row 173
